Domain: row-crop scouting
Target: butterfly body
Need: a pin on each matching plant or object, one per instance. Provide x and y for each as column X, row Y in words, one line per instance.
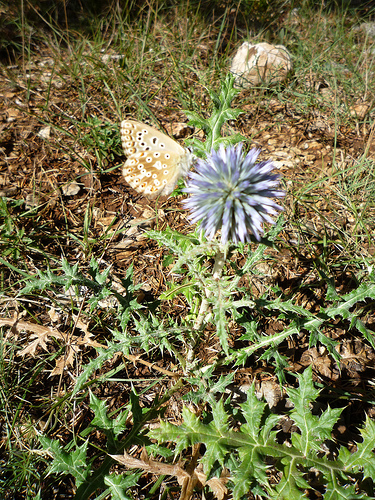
column 154, row 162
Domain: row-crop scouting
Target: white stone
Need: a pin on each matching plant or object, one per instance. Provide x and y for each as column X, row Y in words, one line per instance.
column 260, row 63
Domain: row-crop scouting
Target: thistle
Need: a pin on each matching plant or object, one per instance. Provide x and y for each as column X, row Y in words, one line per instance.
column 231, row 193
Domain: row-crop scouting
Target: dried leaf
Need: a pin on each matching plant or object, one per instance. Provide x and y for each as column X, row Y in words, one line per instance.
column 40, row 335
column 187, row 481
column 60, row 364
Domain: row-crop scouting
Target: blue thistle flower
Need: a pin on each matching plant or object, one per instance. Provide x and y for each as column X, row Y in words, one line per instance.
column 229, row 191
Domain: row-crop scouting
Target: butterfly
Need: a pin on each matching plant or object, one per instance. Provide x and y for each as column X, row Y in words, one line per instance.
column 155, row 162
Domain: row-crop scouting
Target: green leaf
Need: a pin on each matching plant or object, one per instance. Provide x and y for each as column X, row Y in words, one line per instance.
column 119, row 483
column 247, row 450
column 101, row 420
column 205, row 388
column 314, row 429
column 74, row 463
column 253, row 411
column 363, row 459
column 252, row 469
column 221, row 112
column 220, row 306
column 291, row 484
column 346, row 491
column 103, row 355
column 215, row 435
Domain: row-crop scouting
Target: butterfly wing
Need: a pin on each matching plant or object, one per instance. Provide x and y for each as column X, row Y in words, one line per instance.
column 155, row 161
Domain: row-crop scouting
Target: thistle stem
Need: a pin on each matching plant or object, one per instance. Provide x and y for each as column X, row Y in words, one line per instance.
column 217, row 272
column 220, row 259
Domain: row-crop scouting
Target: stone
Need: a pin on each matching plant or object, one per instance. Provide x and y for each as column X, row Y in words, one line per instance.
column 260, row 63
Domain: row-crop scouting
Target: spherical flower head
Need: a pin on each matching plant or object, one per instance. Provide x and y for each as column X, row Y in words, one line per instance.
column 231, row 193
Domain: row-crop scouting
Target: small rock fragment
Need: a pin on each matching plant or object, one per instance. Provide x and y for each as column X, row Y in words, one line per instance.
column 45, row 132
column 71, row 189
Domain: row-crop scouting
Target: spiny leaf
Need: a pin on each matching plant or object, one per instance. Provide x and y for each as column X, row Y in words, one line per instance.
column 291, row 484
column 119, row 483
column 251, row 469
column 337, row 491
column 101, row 419
column 212, row 125
column 363, row 459
column 314, row 429
column 253, row 411
column 205, row 389
column 74, row 463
